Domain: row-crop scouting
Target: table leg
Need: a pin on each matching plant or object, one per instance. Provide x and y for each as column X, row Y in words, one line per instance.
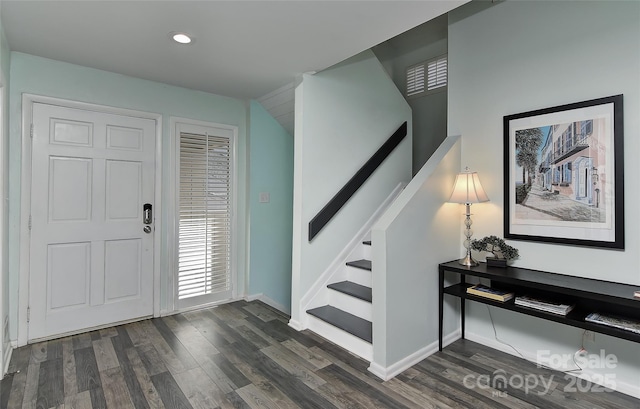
column 462, row 305
column 440, row 306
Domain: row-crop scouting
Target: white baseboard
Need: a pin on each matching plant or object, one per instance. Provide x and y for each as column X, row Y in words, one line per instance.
column 269, row 302
column 296, row 325
column 531, row 356
column 168, row 313
column 248, row 298
column 392, row 370
column 379, row 371
column 451, row 338
column 386, row 373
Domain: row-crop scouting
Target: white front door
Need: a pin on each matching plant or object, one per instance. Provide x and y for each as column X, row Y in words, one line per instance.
column 91, row 263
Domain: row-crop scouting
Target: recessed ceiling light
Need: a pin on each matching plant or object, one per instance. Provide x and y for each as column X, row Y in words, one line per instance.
column 181, row 38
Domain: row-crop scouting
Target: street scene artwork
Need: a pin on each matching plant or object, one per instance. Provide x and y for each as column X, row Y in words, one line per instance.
column 560, row 182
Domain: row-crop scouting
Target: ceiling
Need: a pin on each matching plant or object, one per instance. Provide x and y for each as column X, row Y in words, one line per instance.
column 242, row 49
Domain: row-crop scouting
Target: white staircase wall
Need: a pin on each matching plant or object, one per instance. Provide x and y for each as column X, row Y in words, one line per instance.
column 342, row 116
column 418, row 231
column 319, row 295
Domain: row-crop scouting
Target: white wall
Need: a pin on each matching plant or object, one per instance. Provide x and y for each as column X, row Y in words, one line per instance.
column 343, row 115
column 41, row 76
column 5, row 60
column 417, row 232
column 525, row 55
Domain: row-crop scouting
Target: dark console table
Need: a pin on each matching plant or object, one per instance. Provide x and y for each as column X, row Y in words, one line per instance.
column 587, row 294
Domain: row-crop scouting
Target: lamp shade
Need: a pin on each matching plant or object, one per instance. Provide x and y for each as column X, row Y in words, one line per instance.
column 468, row 189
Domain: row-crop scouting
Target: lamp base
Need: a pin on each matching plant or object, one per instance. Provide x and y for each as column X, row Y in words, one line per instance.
column 468, row 261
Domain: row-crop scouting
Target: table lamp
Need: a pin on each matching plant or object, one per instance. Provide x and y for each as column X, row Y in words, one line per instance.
column 467, row 189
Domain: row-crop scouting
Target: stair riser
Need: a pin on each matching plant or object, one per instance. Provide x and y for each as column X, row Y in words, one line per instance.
column 366, row 252
column 350, row 304
column 342, row 338
column 359, row 276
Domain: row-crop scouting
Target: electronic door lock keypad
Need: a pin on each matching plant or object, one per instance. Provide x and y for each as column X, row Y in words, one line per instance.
column 147, row 213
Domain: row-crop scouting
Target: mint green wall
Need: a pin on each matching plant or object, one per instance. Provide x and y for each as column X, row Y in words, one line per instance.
column 271, row 224
column 5, row 56
column 35, row 75
column 518, row 56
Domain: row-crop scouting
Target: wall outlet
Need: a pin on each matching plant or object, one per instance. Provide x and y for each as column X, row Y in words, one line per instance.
column 265, row 197
column 590, row 336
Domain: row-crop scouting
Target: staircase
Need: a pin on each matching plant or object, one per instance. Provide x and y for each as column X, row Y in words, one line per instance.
column 347, row 317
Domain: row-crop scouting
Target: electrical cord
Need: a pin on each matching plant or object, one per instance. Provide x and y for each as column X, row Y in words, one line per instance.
column 495, row 333
column 580, row 351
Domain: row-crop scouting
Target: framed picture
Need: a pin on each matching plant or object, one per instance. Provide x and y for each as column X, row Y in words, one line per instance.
column 564, row 174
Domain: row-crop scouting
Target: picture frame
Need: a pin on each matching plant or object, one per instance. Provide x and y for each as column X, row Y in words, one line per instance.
column 564, row 174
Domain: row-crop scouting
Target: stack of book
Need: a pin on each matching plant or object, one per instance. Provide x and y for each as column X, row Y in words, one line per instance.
column 488, row 292
column 544, row 305
column 614, row 321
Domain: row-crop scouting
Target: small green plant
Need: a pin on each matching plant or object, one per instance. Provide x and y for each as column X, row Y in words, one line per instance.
column 497, row 246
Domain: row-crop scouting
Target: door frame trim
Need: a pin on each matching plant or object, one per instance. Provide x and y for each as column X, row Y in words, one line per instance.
column 5, row 347
column 28, row 100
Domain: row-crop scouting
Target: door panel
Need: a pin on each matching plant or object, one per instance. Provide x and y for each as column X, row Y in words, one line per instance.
column 71, row 132
column 91, row 263
column 70, row 189
column 124, row 138
column 68, row 266
column 123, row 270
column 124, row 180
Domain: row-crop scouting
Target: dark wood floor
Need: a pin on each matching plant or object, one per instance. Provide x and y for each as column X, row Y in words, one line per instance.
column 243, row 355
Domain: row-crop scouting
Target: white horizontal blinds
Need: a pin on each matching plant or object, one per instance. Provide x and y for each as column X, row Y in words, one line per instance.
column 437, row 73
column 204, row 242
column 415, row 80
column 427, row 76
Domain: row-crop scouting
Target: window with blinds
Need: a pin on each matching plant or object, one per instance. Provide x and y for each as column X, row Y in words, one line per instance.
column 426, row 77
column 205, row 217
column 415, row 80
